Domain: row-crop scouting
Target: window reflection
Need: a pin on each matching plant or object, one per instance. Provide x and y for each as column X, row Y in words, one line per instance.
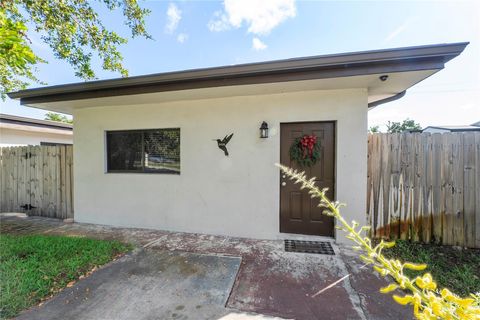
column 152, row 151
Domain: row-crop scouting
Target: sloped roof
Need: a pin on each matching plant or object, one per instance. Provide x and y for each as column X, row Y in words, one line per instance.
column 17, row 120
column 473, row 127
column 397, row 61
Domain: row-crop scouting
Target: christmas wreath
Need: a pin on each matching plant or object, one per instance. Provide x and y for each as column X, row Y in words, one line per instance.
column 305, row 151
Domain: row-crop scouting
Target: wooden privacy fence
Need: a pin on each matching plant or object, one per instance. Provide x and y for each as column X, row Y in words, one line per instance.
column 37, row 180
column 425, row 187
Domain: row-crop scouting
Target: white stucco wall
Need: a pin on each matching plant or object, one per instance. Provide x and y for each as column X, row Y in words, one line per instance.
column 12, row 137
column 236, row 195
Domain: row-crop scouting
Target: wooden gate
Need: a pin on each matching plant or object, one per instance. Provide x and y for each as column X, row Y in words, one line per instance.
column 37, row 180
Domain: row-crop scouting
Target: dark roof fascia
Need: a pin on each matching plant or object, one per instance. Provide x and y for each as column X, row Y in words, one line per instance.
column 464, row 129
column 430, row 57
column 6, row 118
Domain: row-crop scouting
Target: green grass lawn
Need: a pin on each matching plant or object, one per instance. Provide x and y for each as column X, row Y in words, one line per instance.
column 34, row 267
column 456, row 269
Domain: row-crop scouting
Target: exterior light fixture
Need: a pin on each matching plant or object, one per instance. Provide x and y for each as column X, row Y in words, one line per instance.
column 264, row 130
column 384, row 77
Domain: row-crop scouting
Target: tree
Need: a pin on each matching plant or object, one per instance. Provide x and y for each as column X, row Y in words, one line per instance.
column 72, row 29
column 407, row 125
column 16, row 57
column 374, row 129
column 52, row 116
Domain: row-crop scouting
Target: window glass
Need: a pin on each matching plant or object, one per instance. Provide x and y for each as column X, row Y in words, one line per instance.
column 124, row 151
column 152, row 151
column 162, row 151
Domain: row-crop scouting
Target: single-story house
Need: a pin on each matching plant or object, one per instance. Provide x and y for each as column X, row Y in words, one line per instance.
column 157, row 151
column 22, row 131
column 442, row 129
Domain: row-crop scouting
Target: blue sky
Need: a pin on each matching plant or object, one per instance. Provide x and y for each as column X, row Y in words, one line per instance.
column 195, row 34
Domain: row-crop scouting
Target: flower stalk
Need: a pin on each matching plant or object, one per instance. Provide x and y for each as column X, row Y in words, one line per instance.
column 428, row 301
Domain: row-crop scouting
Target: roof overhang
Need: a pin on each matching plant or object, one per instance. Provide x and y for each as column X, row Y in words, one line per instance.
column 404, row 66
column 17, row 122
column 454, row 128
column 35, row 129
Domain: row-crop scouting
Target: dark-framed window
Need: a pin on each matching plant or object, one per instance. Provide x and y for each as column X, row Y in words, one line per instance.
column 53, row 144
column 144, row 151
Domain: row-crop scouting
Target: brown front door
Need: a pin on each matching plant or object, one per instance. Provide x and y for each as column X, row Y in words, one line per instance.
column 298, row 212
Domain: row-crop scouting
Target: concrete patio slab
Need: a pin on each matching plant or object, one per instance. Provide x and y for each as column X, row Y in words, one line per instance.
column 274, row 282
column 148, row 284
column 269, row 281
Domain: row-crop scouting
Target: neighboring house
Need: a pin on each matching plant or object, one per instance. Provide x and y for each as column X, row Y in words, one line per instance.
column 21, row 131
column 146, row 156
column 441, row 129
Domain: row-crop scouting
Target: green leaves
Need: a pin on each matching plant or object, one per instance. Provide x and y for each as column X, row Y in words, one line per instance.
column 406, row 125
column 16, row 56
column 52, row 116
column 34, row 266
column 72, row 29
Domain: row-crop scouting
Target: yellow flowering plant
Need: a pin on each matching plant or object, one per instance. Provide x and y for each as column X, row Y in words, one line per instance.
column 429, row 302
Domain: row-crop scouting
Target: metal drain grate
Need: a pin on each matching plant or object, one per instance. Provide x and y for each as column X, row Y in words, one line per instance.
column 320, row 247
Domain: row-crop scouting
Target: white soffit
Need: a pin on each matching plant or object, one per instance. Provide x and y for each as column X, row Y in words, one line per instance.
column 376, row 88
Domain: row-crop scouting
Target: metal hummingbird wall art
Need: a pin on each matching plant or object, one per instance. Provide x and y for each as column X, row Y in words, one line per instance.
column 222, row 144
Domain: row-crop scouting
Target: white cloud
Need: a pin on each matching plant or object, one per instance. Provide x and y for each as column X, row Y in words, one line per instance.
column 258, row 45
column 219, row 23
column 174, row 15
column 182, row 37
column 260, row 17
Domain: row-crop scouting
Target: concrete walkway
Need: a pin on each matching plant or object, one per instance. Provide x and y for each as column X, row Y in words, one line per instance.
column 269, row 281
column 147, row 284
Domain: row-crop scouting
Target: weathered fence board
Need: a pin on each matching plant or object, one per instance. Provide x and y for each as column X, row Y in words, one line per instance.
column 40, row 177
column 425, row 187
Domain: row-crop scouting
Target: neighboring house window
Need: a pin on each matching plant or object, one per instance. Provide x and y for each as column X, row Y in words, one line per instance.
column 144, row 151
column 52, row 144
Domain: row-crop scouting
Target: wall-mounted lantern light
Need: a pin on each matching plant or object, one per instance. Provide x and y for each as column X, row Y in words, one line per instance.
column 264, row 130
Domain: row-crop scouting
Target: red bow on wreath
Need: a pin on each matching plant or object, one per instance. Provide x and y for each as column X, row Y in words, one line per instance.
column 308, row 143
